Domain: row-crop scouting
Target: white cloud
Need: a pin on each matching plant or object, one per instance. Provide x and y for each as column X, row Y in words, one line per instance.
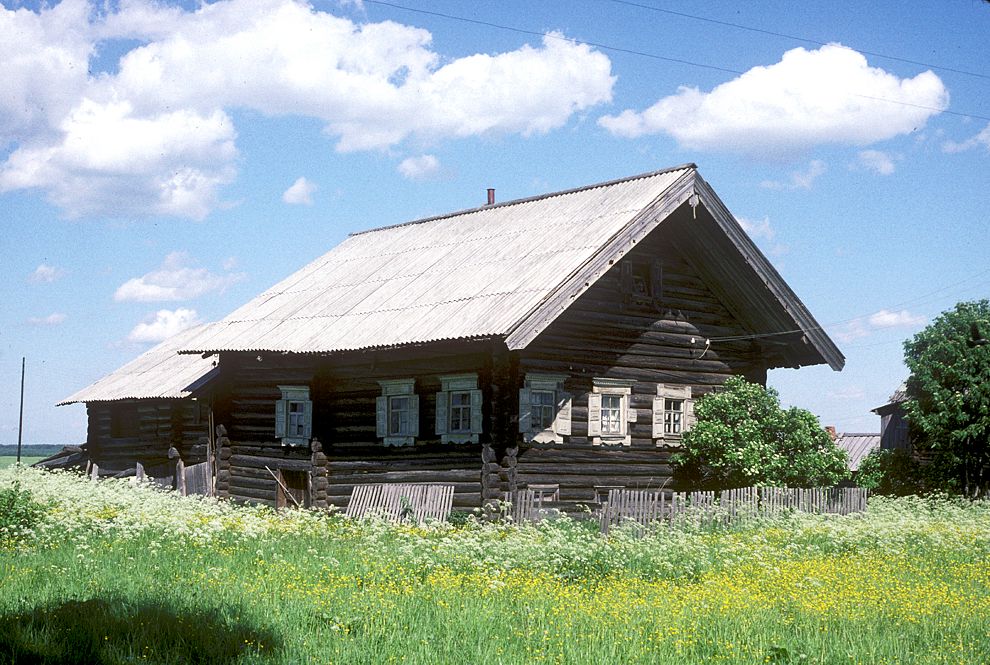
column 53, row 319
column 151, row 134
column 877, row 161
column 826, row 96
column 799, row 179
column 419, row 168
column 982, row 138
column 163, row 324
column 888, row 319
column 175, row 280
column 300, row 192
column 866, row 325
column 45, row 274
column 760, row 229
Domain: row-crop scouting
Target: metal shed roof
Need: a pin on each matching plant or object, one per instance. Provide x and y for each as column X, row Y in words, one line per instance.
column 857, row 446
column 504, row 270
column 159, row 372
column 470, row 274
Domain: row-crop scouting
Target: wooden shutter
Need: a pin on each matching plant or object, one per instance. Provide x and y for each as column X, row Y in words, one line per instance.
column 442, row 418
column 477, row 417
column 594, row 414
column 689, row 418
column 656, row 281
column 631, row 413
column 658, row 418
column 281, row 407
column 525, row 411
column 307, row 419
column 562, row 423
column 414, row 416
column 381, row 416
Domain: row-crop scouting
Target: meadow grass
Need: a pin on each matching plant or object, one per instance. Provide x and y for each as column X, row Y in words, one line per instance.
column 11, row 460
column 110, row 572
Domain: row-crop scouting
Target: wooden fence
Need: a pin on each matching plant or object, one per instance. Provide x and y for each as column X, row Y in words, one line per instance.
column 654, row 507
column 186, row 480
column 412, row 502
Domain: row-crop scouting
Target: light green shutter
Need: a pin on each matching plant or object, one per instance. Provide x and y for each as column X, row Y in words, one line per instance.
column 381, row 416
column 307, row 419
column 525, row 411
column 594, row 414
column 477, row 415
column 414, row 415
column 281, row 407
column 562, row 422
column 442, row 419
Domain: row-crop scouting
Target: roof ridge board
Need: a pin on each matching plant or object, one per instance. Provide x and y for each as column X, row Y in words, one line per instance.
column 528, row 199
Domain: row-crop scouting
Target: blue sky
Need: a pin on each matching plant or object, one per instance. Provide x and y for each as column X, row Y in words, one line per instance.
column 160, row 164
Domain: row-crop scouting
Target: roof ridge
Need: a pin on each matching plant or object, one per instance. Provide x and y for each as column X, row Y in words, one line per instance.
column 528, row 199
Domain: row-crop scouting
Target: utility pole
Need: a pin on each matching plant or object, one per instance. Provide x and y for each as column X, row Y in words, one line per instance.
column 20, row 421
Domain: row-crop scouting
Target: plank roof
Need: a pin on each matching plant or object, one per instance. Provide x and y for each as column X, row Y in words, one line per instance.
column 159, row 372
column 505, row 270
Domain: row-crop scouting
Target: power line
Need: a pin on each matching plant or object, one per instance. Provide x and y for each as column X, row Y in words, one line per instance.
column 655, row 56
column 772, row 33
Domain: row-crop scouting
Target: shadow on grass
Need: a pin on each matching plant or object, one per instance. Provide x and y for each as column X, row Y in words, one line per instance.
column 103, row 631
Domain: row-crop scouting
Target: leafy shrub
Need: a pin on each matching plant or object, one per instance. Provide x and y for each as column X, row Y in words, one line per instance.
column 891, row 472
column 743, row 437
column 19, row 514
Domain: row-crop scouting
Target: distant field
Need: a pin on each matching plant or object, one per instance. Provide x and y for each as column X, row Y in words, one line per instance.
column 32, row 450
column 8, row 460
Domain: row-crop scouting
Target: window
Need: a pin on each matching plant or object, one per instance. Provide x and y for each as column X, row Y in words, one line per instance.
column 673, row 414
column 459, row 416
column 294, row 416
column 609, row 412
column 397, row 413
column 641, row 284
column 544, row 408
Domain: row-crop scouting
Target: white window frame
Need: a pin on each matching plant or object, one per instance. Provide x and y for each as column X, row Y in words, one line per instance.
column 622, row 388
column 560, row 425
column 665, row 393
column 456, row 384
column 299, row 396
column 397, row 388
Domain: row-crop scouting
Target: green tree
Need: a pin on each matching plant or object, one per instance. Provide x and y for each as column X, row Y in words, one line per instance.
column 948, row 405
column 742, row 437
column 895, row 472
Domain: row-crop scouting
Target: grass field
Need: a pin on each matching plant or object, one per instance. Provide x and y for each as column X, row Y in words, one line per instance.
column 10, row 460
column 113, row 573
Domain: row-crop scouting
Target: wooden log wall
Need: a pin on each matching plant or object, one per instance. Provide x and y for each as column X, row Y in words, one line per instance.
column 156, row 426
column 647, row 340
column 343, row 388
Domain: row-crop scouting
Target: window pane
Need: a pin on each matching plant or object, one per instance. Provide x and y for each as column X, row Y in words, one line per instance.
column 543, row 408
column 297, row 424
column 460, row 412
column 673, row 415
column 611, row 414
column 398, row 416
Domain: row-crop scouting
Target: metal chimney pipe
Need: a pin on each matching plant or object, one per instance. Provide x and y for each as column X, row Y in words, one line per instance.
column 491, row 196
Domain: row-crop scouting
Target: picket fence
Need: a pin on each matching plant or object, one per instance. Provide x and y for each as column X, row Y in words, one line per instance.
column 413, row 502
column 650, row 508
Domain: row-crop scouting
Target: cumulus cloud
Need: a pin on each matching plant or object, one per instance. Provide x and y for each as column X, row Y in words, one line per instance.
column 300, row 192
column 419, row 168
column 176, row 279
column 163, row 324
column 877, row 161
column 149, row 132
column 865, row 325
column 45, row 274
column 826, row 96
column 981, row 139
column 53, row 319
column 888, row 319
column 759, row 229
column 799, row 179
